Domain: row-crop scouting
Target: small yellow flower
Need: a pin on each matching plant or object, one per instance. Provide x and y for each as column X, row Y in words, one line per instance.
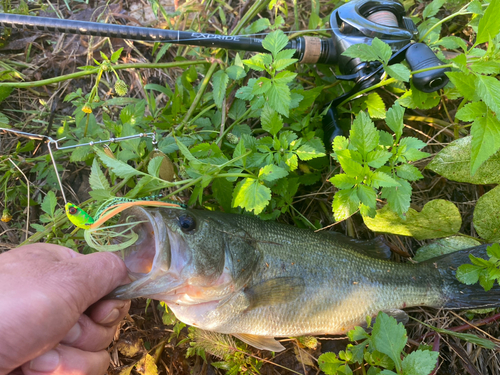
column 6, row 216
column 121, row 87
column 87, row 108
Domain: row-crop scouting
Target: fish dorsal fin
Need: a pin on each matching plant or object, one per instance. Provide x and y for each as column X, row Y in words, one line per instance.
column 260, row 342
column 274, row 291
column 375, row 248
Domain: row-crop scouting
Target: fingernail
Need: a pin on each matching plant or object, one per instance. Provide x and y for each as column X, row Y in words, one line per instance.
column 73, row 334
column 111, row 317
column 47, row 362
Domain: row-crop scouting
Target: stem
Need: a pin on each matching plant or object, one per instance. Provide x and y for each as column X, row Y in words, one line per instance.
column 96, row 70
column 459, row 13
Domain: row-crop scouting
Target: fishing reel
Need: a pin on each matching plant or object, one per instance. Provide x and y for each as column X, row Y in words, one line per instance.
column 359, row 22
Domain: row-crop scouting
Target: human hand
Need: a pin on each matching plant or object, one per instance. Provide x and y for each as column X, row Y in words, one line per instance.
column 51, row 319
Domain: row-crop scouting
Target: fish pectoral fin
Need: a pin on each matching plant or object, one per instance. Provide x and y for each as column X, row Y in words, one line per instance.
column 274, row 291
column 260, row 342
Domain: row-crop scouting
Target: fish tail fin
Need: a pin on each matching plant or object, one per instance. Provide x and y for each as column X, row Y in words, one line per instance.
column 458, row 295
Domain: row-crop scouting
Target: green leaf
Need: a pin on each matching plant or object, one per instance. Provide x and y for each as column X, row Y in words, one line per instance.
column 381, row 179
column 420, row 362
column 345, row 203
column 275, row 42
column 382, row 49
column 49, row 203
column 389, row 337
column 398, row 71
column 245, row 92
column 377, row 158
column 350, row 167
column 421, row 225
column 364, row 135
column 375, row 105
column 468, row 273
column 430, row 10
column 408, row 172
column 363, row 51
column 329, row 363
column 271, row 120
column 418, row 99
column 453, row 42
column 493, row 251
column 398, row 197
column 367, row 195
column 471, row 111
column 272, row 172
column 259, row 62
column 394, row 119
column 258, row 26
column 119, row 168
column 486, row 218
column 343, row 181
column 308, row 152
column 251, row 195
column 488, row 89
column 236, row 72
column 223, row 191
column 485, row 67
column 485, row 133
column 279, row 98
column 284, row 77
column 444, row 246
column 488, row 25
column 97, row 179
column 454, row 163
column 465, row 84
column 154, row 166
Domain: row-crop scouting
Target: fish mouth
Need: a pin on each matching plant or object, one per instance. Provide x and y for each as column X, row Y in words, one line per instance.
column 149, row 259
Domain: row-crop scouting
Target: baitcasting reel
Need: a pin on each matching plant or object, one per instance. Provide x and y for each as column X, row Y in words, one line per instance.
column 359, row 21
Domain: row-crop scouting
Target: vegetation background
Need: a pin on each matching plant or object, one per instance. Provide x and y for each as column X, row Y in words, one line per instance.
column 248, row 139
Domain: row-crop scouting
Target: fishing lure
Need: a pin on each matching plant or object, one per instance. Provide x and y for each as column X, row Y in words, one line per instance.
column 99, row 237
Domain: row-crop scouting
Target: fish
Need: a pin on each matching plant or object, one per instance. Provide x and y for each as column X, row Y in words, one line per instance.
column 258, row 280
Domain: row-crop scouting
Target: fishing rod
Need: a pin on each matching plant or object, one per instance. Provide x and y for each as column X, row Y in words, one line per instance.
column 356, row 22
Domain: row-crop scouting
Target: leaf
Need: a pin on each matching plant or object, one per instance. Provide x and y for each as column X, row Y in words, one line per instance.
column 258, row 26
column 236, row 72
column 454, row 163
column 259, row 62
column 465, row 84
column 362, row 51
column 382, row 49
column 488, row 25
column 119, row 168
column 420, row 362
column 381, row 179
column 251, row 195
column 430, row 10
column 408, row 172
column 271, row 120
column 394, row 119
column 389, row 337
column 398, row 197
column 485, row 133
column 488, row 89
column 453, row 42
column 398, row 71
column 377, row 158
column 420, row 225
column 345, row 203
column 486, row 218
column 444, row 246
column 97, row 179
column 146, row 366
column 275, row 42
column 308, row 152
column 367, row 195
column 284, row 77
column 471, row 111
column 364, row 135
column 219, row 80
column 343, row 181
column 280, row 98
column 154, row 166
column 49, row 203
column 272, row 172
column 418, row 99
column 223, row 192
column 350, row 167
column 375, row 105
column 329, row 363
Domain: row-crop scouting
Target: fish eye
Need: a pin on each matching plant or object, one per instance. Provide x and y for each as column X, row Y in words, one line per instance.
column 187, row 223
column 72, row 210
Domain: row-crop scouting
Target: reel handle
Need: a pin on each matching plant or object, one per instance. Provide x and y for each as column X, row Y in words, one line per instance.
column 420, row 56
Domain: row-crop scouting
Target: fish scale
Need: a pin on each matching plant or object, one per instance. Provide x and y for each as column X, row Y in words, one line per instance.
column 259, row 279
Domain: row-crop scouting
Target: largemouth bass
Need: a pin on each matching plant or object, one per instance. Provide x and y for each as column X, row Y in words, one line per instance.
column 258, row 280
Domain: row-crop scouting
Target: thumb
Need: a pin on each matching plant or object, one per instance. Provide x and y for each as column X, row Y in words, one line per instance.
column 93, row 276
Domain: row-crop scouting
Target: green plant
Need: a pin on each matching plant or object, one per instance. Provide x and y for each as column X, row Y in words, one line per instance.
column 486, row 271
column 382, row 350
column 374, row 159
